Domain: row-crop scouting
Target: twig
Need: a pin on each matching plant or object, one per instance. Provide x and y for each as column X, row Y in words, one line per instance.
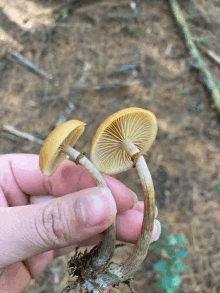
column 93, row 87
column 6, row 135
column 196, row 58
column 75, row 24
column 114, row 3
column 126, row 67
column 65, row 114
column 210, row 53
column 85, row 74
column 168, row 49
column 73, row 3
column 12, row 55
column 25, row 135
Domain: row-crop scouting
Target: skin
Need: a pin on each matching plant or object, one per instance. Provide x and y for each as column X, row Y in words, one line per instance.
column 41, row 217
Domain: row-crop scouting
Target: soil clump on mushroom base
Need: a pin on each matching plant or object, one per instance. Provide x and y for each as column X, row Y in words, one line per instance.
column 185, row 160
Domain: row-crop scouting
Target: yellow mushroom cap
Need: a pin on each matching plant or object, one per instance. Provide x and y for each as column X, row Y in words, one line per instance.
column 135, row 124
column 51, row 153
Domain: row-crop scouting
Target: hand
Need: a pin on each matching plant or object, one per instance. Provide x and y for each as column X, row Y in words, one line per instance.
column 42, row 218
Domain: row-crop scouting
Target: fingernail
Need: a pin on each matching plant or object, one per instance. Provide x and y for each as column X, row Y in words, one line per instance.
column 97, row 207
column 158, row 230
column 135, row 200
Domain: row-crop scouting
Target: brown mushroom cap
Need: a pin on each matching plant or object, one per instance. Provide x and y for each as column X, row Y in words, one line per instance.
column 51, row 153
column 134, row 124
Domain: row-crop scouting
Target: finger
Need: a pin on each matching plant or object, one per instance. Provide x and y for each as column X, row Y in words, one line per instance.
column 125, row 231
column 21, row 176
column 14, row 278
column 34, row 199
column 129, row 226
column 140, row 207
column 135, row 200
column 94, row 240
column 30, row 230
column 36, row 264
column 124, row 197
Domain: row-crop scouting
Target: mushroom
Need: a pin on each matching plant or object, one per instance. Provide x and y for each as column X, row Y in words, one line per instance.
column 54, row 150
column 119, row 143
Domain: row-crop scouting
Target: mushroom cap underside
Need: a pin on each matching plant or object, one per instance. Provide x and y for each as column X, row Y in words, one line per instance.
column 134, row 124
column 51, row 153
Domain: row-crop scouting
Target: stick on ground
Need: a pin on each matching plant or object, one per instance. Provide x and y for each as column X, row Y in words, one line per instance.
column 196, row 60
column 209, row 53
column 12, row 55
column 22, row 134
column 93, row 87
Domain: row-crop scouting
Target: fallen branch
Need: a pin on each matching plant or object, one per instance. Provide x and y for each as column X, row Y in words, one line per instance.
column 196, row 59
column 14, row 56
column 22, row 134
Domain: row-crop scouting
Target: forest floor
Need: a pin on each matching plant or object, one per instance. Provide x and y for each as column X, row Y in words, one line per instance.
column 104, row 57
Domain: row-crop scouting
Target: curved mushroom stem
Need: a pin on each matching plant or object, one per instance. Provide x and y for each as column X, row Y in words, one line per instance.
column 86, row 164
column 128, row 267
column 107, row 246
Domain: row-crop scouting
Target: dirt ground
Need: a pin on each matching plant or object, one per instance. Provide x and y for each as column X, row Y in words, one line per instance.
column 84, row 48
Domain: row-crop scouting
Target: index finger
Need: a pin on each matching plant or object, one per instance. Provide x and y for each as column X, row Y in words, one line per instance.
column 21, row 175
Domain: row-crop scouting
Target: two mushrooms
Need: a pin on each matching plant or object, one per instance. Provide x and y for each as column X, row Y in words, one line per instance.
column 119, row 144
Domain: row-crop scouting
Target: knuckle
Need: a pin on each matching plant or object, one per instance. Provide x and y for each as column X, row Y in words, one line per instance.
column 53, row 229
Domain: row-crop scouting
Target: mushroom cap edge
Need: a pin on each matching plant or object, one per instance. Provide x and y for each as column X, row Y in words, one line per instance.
column 51, row 155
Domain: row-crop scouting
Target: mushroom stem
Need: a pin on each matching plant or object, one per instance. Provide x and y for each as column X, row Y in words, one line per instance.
column 107, row 246
column 128, row 267
column 86, row 164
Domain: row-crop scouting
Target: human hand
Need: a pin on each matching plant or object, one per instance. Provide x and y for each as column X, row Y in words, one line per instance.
column 42, row 218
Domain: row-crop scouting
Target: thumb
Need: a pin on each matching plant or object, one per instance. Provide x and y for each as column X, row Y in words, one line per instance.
column 29, row 230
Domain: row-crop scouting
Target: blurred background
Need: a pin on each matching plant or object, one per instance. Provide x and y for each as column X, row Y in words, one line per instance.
column 96, row 57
